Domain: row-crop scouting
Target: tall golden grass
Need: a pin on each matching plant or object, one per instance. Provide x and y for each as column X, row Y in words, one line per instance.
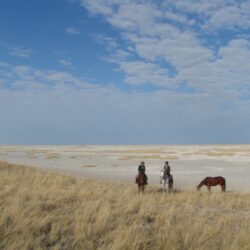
column 44, row 210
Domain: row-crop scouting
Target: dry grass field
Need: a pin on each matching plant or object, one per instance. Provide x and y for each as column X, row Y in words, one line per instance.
column 44, row 210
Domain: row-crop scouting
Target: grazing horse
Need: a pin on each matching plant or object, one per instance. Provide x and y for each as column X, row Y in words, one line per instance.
column 166, row 180
column 140, row 180
column 213, row 181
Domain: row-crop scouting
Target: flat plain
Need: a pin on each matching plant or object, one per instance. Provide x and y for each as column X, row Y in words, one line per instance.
column 189, row 163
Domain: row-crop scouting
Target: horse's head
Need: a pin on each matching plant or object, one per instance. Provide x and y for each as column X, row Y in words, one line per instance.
column 198, row 188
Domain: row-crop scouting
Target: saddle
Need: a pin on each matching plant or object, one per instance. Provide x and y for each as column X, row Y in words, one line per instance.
column 145, row 178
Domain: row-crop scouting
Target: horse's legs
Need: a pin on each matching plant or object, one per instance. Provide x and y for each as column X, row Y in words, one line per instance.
column 140, row 192
column 223, row 188
column 140, row 189
column 209, row 188
column 163, row 186
column 170, row 188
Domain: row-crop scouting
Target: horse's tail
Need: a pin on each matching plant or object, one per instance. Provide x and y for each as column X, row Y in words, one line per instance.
column 224, row 184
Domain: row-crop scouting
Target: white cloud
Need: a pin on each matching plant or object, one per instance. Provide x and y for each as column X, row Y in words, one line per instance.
column 57, row 107
column 72, row 30
column 198, row 87
column 227, row 75
column 109, row 42
column 230, row 17
column 199, row 7
column 65, row 62
column 139, row 72
column 23, row 78
column 135, row 17
column 3, row 64
column 216, row 15
column 179, row 18
column 166, row 37
column 121, row 54
column 20, row 52
column 66, row 109
column 99, row 6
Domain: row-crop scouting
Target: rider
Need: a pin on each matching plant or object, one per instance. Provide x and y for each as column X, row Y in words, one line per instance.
column 167, row 169
column 142, row 169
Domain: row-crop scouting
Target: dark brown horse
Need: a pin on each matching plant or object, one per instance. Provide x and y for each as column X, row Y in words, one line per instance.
column 140, row 180
column 213, row 181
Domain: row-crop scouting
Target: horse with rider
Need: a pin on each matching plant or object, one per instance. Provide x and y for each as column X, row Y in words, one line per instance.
column 166, row 178
column 142, row 171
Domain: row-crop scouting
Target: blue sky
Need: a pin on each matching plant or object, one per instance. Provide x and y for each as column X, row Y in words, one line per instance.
column 124, row 72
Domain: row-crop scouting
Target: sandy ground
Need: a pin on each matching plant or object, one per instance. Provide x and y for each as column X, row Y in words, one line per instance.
column 189, row 164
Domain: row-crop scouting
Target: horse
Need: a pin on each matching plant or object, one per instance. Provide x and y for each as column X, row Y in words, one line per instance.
column 166, row 180
column 140, row 180
column 213, row 181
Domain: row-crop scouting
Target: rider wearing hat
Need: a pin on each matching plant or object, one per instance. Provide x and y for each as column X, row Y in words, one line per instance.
column 142, row 169
column 167, row 169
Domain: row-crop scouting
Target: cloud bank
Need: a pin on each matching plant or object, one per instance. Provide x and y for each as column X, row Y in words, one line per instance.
column 194, row 56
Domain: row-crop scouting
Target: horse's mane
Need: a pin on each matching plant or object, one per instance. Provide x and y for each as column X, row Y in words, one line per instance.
column 202, row 182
